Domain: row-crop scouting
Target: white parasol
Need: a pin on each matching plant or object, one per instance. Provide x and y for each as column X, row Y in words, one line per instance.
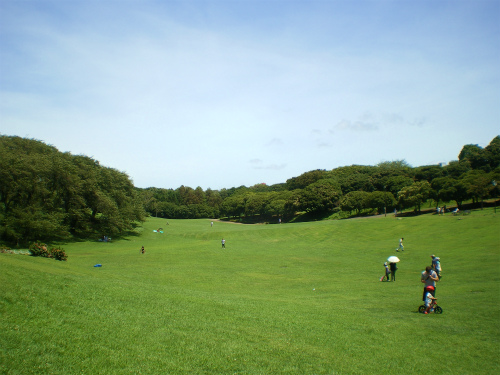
column 393, row 259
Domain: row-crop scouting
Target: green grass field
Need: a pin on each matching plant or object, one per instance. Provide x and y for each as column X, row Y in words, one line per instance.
column 299, row 298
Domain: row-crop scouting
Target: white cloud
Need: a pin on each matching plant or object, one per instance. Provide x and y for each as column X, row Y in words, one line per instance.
column 356, row 126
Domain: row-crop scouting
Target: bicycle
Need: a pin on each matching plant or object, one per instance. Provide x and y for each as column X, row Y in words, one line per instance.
column 434, row 308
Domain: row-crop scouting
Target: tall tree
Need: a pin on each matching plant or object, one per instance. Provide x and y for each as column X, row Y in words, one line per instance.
column 492, row 153
column 354, row 201
column 46, row 195
column 476, row 156
column 414, row 195
column 382, row 201
column 321, row 196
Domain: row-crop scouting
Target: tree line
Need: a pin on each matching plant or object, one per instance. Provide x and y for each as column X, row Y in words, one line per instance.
column 349, row 190
column 47, row 195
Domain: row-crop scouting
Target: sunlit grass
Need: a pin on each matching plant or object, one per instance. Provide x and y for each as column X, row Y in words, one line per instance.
column 280, row 299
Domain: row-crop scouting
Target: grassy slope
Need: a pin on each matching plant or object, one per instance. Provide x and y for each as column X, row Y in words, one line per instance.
column 290, row 299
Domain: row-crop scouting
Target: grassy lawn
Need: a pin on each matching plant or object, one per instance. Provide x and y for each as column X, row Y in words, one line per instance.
column 299, row 298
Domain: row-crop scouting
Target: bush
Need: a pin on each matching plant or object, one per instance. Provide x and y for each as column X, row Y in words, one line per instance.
column 40, row 250
column 5, row 249
column 58, row 254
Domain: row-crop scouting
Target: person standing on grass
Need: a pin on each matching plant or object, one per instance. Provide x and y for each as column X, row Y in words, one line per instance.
column 401, row 247
column 142, row 250
column 429, row 278
column 393, row 268
column 387, row 271
column 223, row 243
column 436, row 265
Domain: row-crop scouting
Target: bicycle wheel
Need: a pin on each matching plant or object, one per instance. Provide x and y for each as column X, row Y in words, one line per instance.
column 421, row 309
column 438, row 310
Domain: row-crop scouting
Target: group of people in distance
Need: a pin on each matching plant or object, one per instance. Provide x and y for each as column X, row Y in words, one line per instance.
column 390, row 271
column 429, row 277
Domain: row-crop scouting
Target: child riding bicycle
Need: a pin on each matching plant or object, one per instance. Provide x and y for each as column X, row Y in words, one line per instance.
column 430, row 300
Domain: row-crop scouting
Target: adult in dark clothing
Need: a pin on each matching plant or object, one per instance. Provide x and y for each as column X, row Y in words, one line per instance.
column 393, row 271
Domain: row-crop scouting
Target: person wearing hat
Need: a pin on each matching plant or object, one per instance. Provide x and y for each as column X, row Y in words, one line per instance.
column 429, row 298
column 429, row 278
column 436, row 265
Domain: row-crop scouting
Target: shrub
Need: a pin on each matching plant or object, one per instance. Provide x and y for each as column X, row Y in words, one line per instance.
column 58, row 253
column 5, row 249
column 38, row 249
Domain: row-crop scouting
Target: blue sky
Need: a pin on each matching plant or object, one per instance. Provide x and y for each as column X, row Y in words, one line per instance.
column 220, row 94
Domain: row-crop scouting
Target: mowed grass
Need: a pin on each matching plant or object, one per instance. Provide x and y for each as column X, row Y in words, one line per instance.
column 299, row 298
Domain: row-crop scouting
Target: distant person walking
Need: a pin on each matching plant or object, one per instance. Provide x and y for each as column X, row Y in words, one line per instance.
column 436, row 265
column 142, row 250
column 393, row 268
column 401, row 247
column 211, row 223
column 223, row 243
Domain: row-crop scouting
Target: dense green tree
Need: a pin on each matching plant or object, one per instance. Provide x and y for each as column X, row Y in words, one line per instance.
column 189, row 195
column 394, row 184
column 354, row 201
column 456, row 169
column 275, row 203
column 442, row 189
column 260, row 188
column 357, row 182
column 479, row 184
column 292, row 204
column 414, row 195
column 395, row 167
column 213, row 198
column 492, row 153
column 320, row 197
column 48, row 195
column 255, row 204
column 428, row 172
column 476, row 156
column 305, row 179
column 459, row 192
column 382, row 201
column 392, row 176
column 233, row 206
column 356, row 178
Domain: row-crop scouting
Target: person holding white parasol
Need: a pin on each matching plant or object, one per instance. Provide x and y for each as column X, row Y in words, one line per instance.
column 392, row 264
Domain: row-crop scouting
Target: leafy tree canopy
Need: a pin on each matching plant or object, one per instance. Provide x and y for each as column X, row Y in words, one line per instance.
column 46, row 195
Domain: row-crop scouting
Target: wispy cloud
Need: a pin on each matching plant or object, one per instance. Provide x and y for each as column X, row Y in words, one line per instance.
column 260, row 164
column 356, row 126
column 370, row 122
column 275, row 142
